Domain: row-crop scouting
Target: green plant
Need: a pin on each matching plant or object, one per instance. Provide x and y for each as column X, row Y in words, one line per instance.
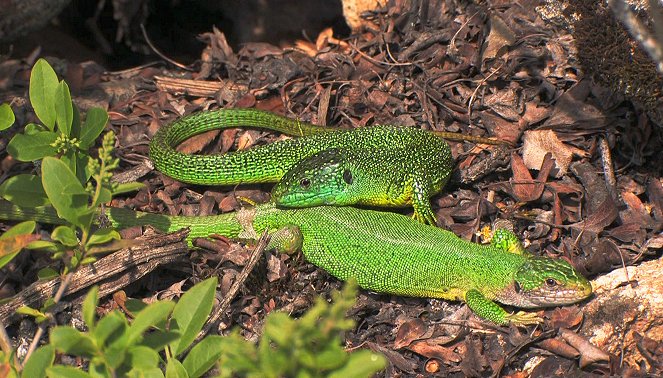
column 308, row 347
column 70, row 180
column 115, row 347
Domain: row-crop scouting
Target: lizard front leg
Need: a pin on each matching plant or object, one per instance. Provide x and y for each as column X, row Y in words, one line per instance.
column 507, row 241
column 487, row 309
column 287, row 239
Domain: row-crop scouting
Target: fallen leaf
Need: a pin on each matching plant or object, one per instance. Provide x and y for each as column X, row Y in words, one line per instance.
column 537, row 143
column 16, row 243
column 589, row 354
column 443, row 354
column 276, row 268
column 409, row 331
column 500, row 37
column 523, row 186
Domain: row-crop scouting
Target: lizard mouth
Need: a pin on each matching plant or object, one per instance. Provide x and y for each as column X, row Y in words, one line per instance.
column 559, row 297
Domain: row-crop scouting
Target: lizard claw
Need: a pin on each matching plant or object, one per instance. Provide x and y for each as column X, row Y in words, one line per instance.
column 523, row 318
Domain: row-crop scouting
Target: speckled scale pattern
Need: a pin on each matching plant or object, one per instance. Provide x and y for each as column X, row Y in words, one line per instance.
column 390, row 253
column 268, row 163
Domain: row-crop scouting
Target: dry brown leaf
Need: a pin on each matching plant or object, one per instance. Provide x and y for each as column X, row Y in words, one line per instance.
column 443, row 354
column 409, row 331
column 589, row 354
column 15, row 244
column 500, row 37
column 536, row 143
column 523, row 187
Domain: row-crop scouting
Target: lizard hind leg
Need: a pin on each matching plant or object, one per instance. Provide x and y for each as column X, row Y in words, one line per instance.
column 423, row 212
column 287, row 239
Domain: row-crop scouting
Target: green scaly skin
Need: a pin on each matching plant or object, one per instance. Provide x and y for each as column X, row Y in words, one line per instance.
column 342, row 177
column 386, row 253
column 419, row 161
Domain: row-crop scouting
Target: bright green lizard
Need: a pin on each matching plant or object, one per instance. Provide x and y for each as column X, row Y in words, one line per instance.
column 419, row 165
column 386, row 253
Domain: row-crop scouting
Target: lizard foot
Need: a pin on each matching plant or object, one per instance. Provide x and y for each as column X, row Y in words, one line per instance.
column 523, row 318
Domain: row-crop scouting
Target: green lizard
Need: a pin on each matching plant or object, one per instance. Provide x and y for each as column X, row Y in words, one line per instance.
column 419, row 167
column 340, row 176
column 386, row 253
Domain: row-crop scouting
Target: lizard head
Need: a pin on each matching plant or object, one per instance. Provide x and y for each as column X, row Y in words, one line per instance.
column 324, row 178
column 544, row 282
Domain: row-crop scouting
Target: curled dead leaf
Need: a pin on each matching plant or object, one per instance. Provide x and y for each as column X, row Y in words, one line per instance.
column 409, row 331
column 537, row 143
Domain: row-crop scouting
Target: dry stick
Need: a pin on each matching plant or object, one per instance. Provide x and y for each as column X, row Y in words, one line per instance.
column 161, row 54
column 5, row 344
column 239, row 281
column 44, row 324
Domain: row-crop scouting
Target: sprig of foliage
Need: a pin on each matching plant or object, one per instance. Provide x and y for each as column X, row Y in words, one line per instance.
column 307, row 347
column 113, row 346
column 70, row 180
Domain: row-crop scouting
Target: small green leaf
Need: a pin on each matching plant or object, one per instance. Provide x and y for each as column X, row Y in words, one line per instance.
column 29, row 311
column 75, row 123
column 159, row 339
column 71, row 341
column 203, row 356
column 43, row 84
column 46, row 246
column 22, row 228
column 89, row 308
column 47, row 273
column 89, row 260
column 65, row 235
column 63, row 371
column 362, row 363
column 6, row 116
column 95, row 121
column 101, row 236
column 24, row 147
column 24, row 190
column 65, row 192
column 128, row 187
column 105, row 196
column 39, row 361
column 152, row 315
column 33, row 128
column 63, row 108
column 110, row 328
column 142, row 357
column 114, row 357
column 145, row 373
column 191, row 312
column 174, row 369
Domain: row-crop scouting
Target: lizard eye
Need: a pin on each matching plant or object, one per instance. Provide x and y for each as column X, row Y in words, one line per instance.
column 305, row 183
column 347, row 176
column 551, row 282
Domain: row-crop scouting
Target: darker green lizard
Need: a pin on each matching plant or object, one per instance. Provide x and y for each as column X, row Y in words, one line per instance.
column 419, row 161
column 386, row 253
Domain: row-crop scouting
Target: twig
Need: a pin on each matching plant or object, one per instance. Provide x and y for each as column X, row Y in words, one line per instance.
column 5, row 343
column 158, row 52
column 239, row 281
column 42, row 326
